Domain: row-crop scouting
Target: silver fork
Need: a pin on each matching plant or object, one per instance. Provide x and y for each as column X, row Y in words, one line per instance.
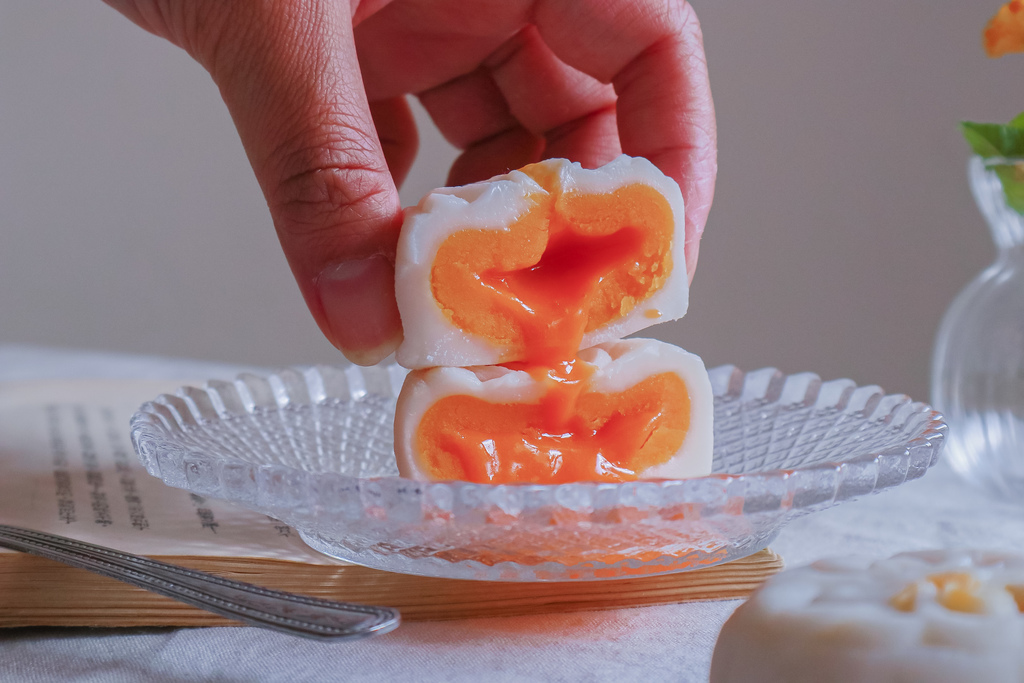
column 294, row 614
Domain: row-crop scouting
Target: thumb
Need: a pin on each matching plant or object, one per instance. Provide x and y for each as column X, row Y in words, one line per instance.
column 289, row 75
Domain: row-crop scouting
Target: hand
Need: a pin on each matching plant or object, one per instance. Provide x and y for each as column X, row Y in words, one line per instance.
column 316, row 90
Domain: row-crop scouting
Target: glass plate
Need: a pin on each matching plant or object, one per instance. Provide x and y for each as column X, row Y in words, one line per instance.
column 313, row 448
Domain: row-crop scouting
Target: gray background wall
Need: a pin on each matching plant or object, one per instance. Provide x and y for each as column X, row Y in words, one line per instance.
column 841, row 230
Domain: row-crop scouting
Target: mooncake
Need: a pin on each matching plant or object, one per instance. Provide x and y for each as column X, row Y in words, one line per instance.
column 940, row 616
column 539, row 263
column 619, row 411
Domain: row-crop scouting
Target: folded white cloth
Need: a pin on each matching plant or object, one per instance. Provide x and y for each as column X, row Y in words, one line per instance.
column 672, row 642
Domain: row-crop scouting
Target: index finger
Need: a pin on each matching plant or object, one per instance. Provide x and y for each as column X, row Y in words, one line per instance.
column 652, row 52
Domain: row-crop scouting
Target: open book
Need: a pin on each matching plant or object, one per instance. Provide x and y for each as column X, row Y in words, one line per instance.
column 67, row 467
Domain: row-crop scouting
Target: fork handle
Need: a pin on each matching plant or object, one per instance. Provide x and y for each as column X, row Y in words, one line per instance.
column 286, row 612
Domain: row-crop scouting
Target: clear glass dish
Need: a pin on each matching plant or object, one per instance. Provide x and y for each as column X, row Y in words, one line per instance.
column 313, row 448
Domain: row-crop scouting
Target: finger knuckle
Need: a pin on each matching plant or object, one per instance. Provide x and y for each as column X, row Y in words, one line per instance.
column 338, row 192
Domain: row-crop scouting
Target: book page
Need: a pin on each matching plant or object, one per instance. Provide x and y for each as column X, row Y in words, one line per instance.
column 67, row 466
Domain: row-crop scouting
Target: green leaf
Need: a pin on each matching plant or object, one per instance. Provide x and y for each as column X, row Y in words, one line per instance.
column 979, row 136
column 989, row 140
column 993, row 140
column 1012, row 178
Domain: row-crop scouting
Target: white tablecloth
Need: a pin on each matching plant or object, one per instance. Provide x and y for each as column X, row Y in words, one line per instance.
column 672, row 642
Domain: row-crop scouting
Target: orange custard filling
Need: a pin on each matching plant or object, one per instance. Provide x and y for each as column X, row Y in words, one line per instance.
column 572, row 263
column 571, row 434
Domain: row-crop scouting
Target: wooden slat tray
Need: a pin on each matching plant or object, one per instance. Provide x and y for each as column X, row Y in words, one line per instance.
column 40, row 592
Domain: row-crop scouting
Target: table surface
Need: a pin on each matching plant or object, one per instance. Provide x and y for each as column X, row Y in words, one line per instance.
column 670, row 642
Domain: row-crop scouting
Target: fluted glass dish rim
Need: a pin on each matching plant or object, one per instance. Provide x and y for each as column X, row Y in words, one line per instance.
column 785, row 445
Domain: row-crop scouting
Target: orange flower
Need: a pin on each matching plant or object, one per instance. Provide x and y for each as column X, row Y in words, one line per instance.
column 1005, row 31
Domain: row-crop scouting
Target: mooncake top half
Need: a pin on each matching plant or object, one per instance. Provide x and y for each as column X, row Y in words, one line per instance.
column 538, row 263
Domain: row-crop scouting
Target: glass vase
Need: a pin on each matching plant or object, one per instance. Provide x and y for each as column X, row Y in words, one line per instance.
column 978, row 362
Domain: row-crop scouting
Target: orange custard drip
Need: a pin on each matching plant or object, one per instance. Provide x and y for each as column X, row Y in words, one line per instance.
column 571, row 434
column 550, row 300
